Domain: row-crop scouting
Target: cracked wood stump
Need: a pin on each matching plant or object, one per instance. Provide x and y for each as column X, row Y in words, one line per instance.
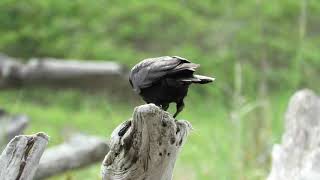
column 20, row 158
column 146, row 147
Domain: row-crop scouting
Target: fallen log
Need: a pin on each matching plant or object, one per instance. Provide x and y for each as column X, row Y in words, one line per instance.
column 61, row 73
column 298, row 155
column 79, row 151
column 145, row 147
column 20, row 158
column 11, row 126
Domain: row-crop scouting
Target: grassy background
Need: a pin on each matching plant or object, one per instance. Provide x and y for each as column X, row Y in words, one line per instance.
column 214, row 148
column 260, row 51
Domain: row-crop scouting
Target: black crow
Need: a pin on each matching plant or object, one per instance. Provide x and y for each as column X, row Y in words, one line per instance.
column 163, row 80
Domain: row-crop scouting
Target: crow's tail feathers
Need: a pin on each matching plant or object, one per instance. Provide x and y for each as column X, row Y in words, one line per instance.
column 204, row 79
column 198, row 79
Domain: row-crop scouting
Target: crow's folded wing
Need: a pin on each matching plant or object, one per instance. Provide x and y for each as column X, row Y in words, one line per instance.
column 151, row 70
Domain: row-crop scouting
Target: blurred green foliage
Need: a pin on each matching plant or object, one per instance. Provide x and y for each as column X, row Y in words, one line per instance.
column 214, row 33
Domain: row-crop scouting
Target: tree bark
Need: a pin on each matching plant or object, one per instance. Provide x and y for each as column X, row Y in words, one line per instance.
column 79, row 151
column 145, row 147
column 20, row 158
column 298, row 156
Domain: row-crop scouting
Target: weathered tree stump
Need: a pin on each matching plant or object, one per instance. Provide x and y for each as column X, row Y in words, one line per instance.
column 79, row 151
column 145, row 147
column 20, row 158
column 298, row 157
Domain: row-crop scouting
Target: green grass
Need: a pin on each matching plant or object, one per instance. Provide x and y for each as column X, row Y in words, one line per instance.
column 216, row 149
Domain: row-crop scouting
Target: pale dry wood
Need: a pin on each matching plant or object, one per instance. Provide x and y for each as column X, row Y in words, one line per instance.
column 148, row 149
column 20, row 158
column 79, row 151
column 298, row 155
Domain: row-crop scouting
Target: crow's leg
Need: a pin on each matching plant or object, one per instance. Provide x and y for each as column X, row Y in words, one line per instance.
column 155, row 103
column 165, row 106
column 180, row 106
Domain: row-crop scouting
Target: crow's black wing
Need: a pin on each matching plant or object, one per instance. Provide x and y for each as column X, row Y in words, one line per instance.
column 151, row 70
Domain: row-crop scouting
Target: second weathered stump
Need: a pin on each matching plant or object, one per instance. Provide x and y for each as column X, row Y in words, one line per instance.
column 298, row 155
column 145, row 147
